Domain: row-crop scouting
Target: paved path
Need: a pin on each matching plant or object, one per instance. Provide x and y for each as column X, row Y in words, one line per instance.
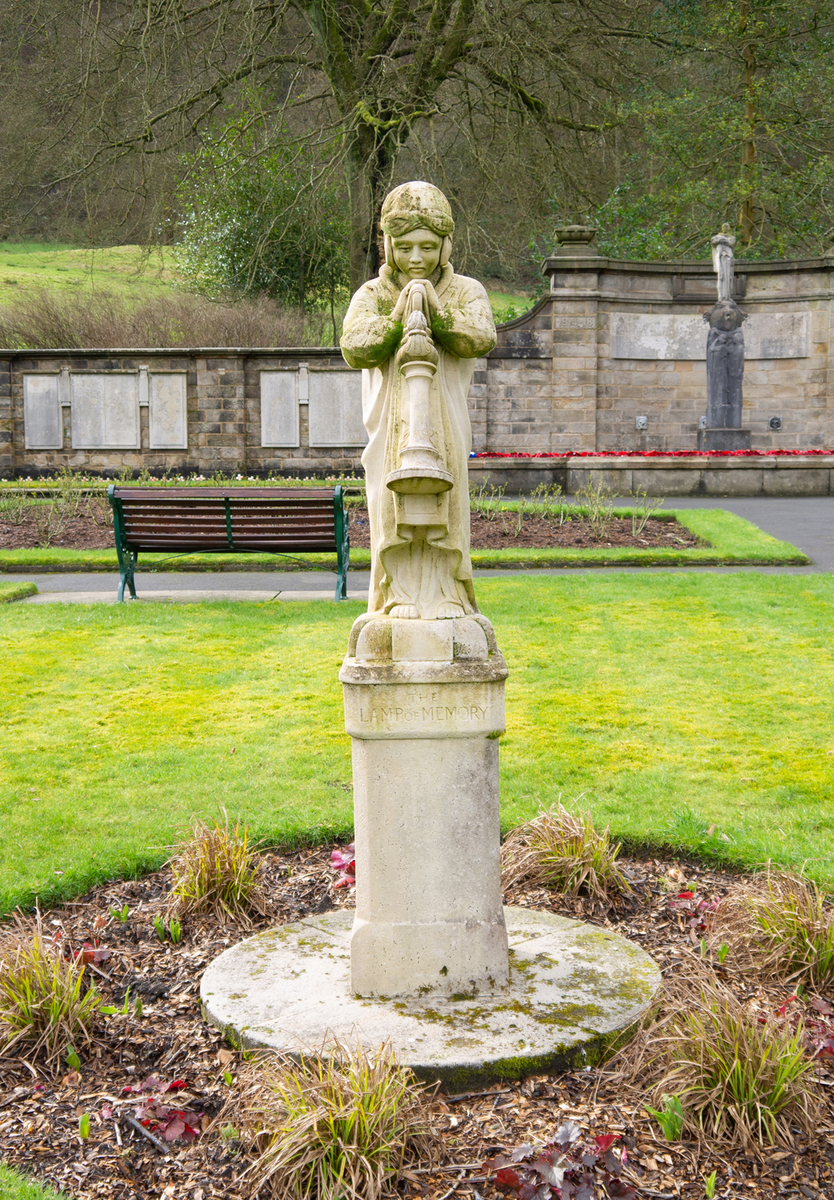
column 188, row 586
column 807, row 523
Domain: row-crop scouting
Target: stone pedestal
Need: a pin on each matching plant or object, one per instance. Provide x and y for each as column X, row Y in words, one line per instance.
column 723, row 439
column 424, row 705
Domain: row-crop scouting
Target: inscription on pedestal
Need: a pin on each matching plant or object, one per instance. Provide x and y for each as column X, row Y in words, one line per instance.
column 435, row 711
column 422, row 708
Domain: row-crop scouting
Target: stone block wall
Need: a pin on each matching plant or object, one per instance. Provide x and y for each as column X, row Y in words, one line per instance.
column 223, row 414
column 571, row 375
column 596, row 391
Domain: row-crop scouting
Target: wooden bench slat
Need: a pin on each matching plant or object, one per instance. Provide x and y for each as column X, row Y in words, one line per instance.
column 223, row 520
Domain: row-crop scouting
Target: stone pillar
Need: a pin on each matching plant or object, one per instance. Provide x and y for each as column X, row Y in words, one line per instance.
column 424, row 705
column 573, row 270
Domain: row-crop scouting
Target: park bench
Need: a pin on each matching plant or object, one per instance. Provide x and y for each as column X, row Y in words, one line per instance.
column 211, row 520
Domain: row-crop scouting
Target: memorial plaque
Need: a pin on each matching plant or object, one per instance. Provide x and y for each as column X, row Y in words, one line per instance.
column 42, row 429
column 167, row 411
column 766, row 335
column 279, row 408
column 105, row 410
column 336, row 408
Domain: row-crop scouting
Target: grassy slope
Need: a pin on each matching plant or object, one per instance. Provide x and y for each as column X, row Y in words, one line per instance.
column 137, row 271
column 122, row 270
column 730, row 539
column 669, row 703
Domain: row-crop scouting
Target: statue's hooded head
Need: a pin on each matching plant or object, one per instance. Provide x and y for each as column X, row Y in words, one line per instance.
column 417, row 205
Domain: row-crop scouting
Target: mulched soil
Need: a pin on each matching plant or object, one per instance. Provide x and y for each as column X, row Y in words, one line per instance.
column 91, row 530
column 39, row 1113
column 503, row 531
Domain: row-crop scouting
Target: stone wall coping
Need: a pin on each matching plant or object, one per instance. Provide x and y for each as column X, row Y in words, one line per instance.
column 657, row 462
column 681, row 266
column 185, row 351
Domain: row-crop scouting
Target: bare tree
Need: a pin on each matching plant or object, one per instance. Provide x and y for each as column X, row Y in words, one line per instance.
column 131, row 82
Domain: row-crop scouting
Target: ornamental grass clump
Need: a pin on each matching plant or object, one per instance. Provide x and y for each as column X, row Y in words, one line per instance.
column 565, row 851
column 338, row 1125
column 45, row 1000
column 781, row 927
column 217, row 872
column 740, row 1075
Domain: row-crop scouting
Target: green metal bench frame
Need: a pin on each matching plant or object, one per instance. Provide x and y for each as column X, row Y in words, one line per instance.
column 128, row 553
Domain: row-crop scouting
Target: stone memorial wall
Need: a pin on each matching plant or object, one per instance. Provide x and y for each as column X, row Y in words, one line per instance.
column 611, row 342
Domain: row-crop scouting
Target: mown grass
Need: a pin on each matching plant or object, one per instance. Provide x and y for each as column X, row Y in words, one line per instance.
column 728, row 539
column 684, row 710
column 16, row 591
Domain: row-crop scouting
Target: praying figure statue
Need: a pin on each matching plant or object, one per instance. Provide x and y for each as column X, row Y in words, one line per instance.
column 416, row 331
column 722, row 262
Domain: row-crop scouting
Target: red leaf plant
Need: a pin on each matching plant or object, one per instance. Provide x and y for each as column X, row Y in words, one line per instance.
column 344, row 861
column 818, row 1030
column 160, row 1118
column 93, row 954
column 698, row 908
column 564, row 1168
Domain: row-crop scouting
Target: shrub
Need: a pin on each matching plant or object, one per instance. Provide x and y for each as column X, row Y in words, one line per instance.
column 781, row 928
column 335, row 1125
column 563, row 850
column 740, row 1074
column 43, row 996
column 217, row 872
column 46, row 319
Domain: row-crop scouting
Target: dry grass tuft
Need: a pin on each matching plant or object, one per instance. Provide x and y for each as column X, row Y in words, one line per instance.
column 337, row 1125
column 781, row 927
column 44, row 999
column 563, row 850
column 217, row 872
column 742, row 1076
column 49, row 319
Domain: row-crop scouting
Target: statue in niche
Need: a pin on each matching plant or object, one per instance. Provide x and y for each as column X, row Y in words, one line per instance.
column 415, row 331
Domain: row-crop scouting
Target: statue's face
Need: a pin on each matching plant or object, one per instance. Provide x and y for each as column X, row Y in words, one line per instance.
column 417, row 254
column 726, row 316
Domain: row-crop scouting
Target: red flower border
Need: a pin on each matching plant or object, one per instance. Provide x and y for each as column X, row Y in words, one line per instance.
column 653, row 454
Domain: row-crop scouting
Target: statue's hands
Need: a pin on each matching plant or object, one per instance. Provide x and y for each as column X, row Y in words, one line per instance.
column 404, row 303
column 400, row 309
column 431, row 298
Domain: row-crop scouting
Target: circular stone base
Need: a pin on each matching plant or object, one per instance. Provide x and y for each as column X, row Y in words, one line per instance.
column 573, row 988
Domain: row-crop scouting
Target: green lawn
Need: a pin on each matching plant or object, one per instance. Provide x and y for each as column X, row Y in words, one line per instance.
column 669, row 703
column 727, row 538
column 16, row 591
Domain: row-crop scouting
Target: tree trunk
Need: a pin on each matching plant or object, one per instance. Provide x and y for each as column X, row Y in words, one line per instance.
column 370, row 164
column 748, row 148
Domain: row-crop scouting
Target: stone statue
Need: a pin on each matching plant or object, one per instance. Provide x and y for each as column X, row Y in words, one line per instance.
column 415, row 331
column 725, row 365
column 722, row 262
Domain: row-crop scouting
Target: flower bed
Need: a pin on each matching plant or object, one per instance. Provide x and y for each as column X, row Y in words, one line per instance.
column 652, row 454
